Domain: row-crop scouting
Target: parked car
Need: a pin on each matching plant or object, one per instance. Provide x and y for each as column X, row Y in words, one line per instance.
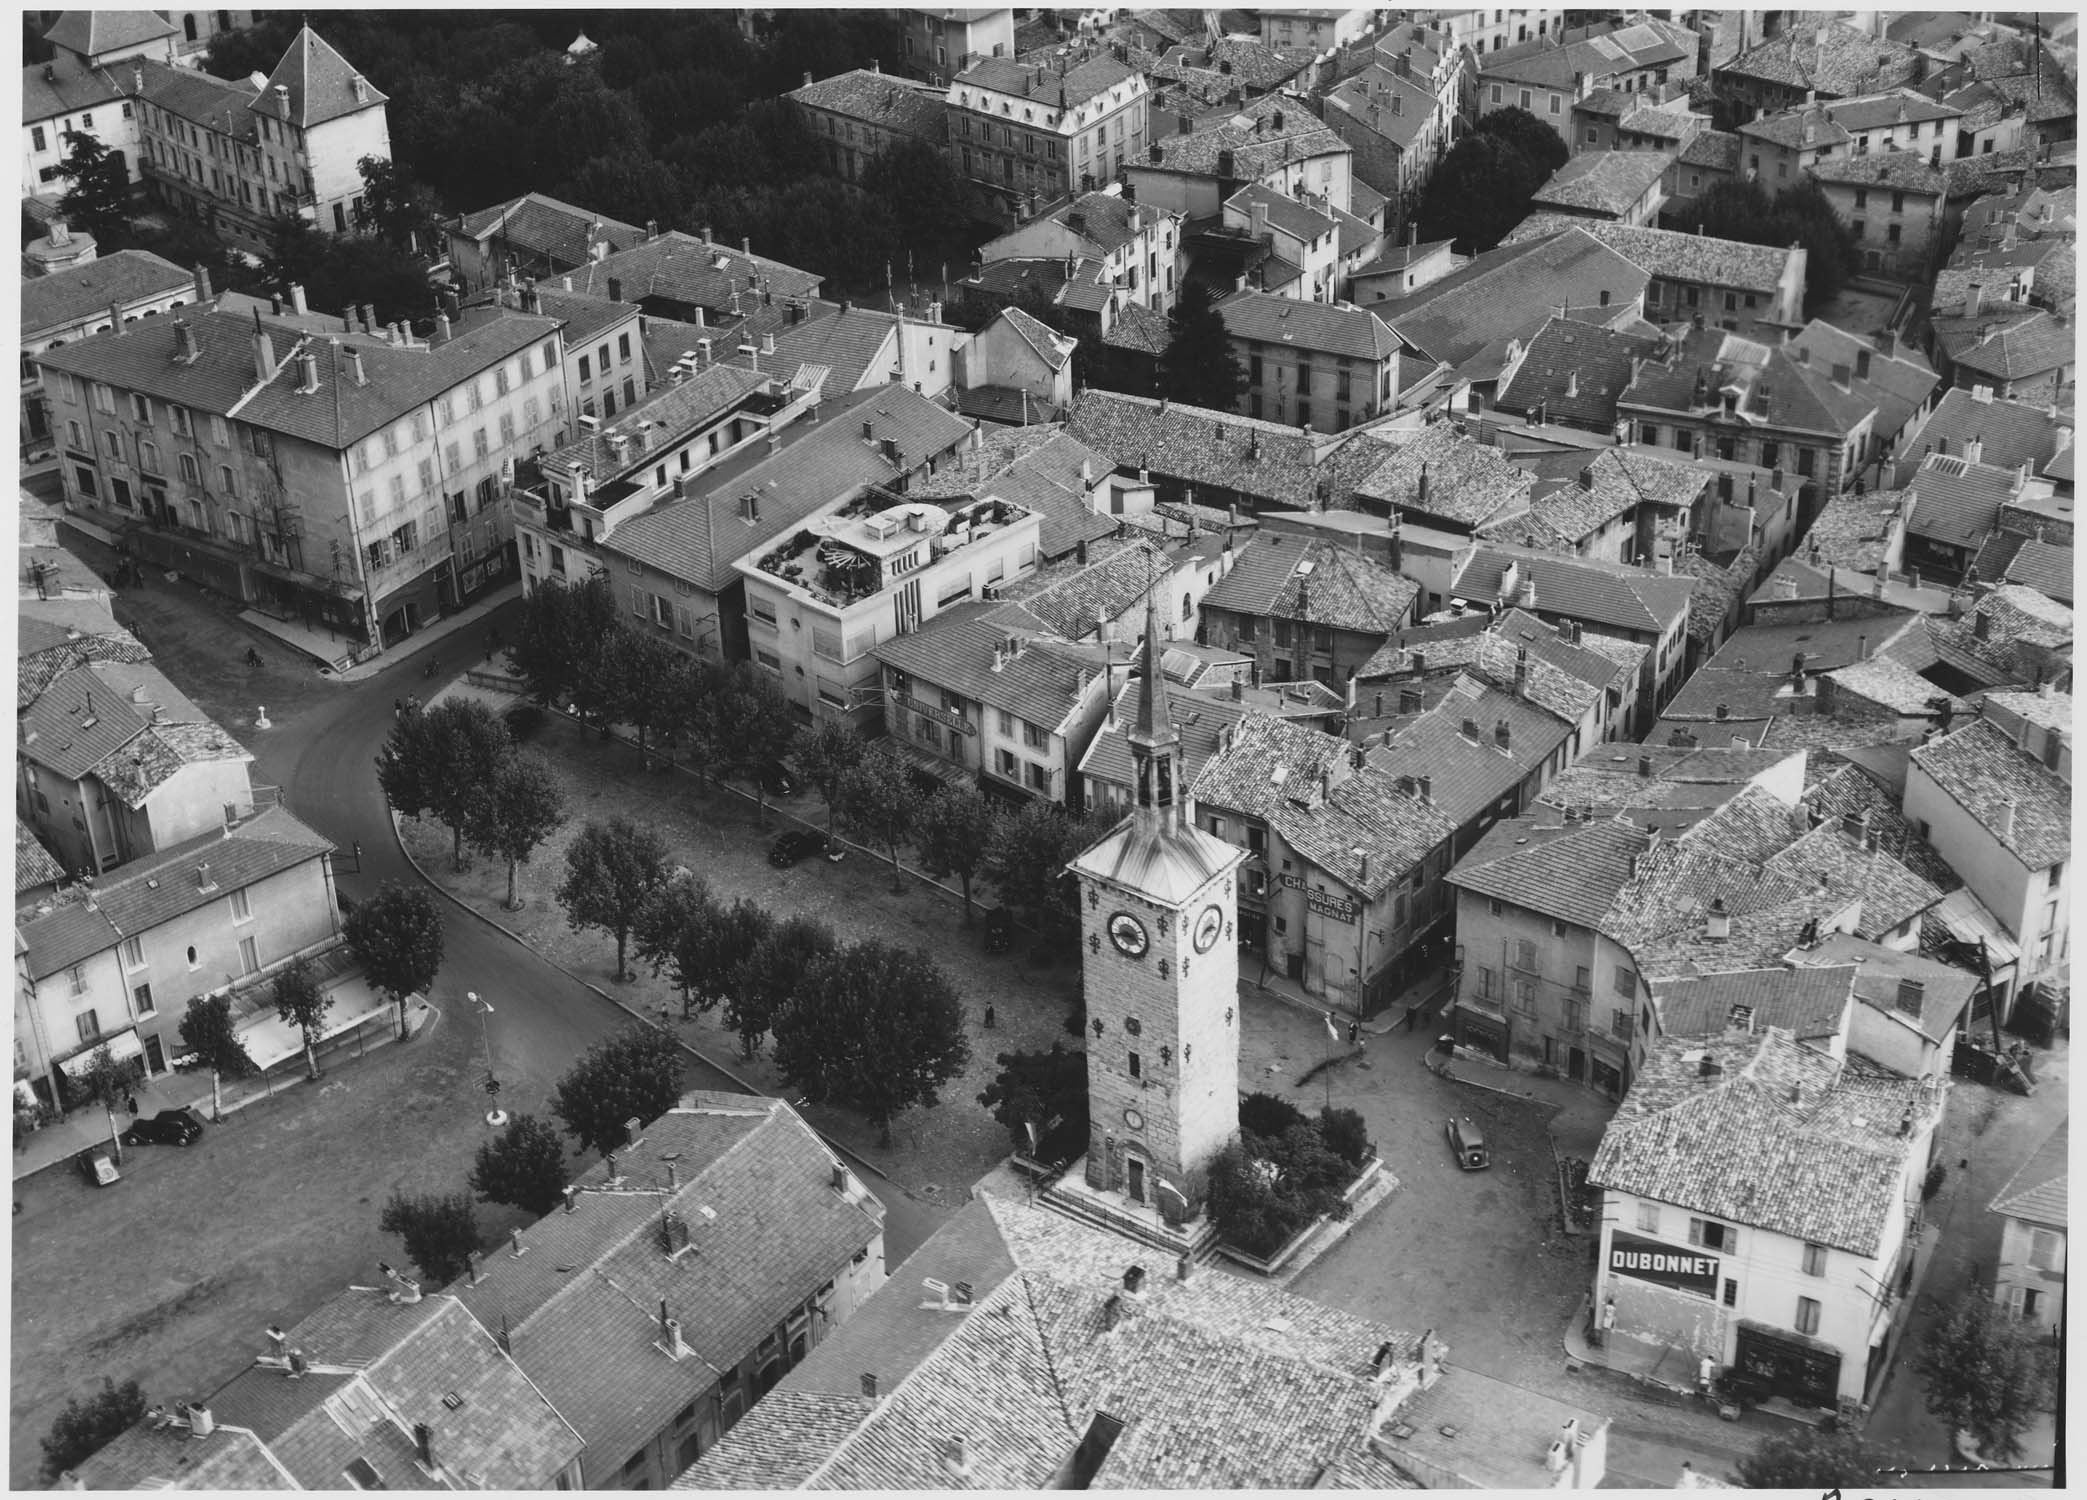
column 1468, row 1142
column 778, row 780
column 96, row 1167
column 170, row 1127
column 794, row 844
column 1000, row 929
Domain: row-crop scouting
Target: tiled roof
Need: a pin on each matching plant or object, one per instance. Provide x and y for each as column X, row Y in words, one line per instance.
column 1571, row 871
column 2037, row 1191
column 1903, row 106
column 957, row 649
column 1319, row 327
column 1890, row 685
column 1903, row 171
column 1608, row 182
column 1470, row 774
column 2030, row 209
column 201, row 98
column 1847, row 790
column 673, row 412
column 1317, row 582
column 1672, row 254
column 1201, row 719
column 1657, row 786
column 1796, row 395
column 1836, row 59
column 548, row 226
column 1611, row 594
column 1829, row 855
column 1606, row 103
column 1298, row 220
column 93, row 32
column 1955, row 502
column 1782, row 1138
column 1505, row 291
column 97, row 707
column 1545, row 61
column 339, row 413
column 1198, row 445
column 1806, row 127
column 754, row 1187
column 1672, row 124
column 1946, row 990
column 1465, row 480
column 65, row 86
column 1104, row 590
column 1899, row 382
column 1260, row 1387
column 127, row 276
column 1981, row 768
column 321, row 84
column 1038, row 467
column 2010, row 432
column 1270, row 763
column 155, row 888
column 1716, row 149
column 879, row 98
column 1366, row 99
column 685, row 269
column 2043, row 567
column 1255, row 152
column 2010, row 348
column 1809, row 1003
column 857, row 344
column 699, row 537
column 34, row 865
column 1140, row 329
column 1369, row 834
column 1079, row 83
column 1750, row 676
column 1853, row 530
column 1575, row 370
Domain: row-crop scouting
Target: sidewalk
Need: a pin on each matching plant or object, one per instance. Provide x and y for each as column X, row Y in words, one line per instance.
column 334, row 653
column 360, row 1018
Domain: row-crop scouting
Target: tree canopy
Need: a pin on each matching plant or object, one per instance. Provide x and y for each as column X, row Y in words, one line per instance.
column 1985, row 1376
column 301, row 1002
column 440, row 1230
column 1798, row 215
column 875, row 1027
column 397, row 936
column 1198, row 366
column 611, row 871
column 1483, row 186
column 437, row 763
column 1808, row 1459
column 524, row 1166
column 633, row 1075
column 98, row 198
column 89, row 1424
column 517, row 808
column 1044, row 1090
column 212, row 1038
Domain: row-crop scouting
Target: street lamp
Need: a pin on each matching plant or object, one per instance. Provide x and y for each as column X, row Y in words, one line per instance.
column 495, row 1115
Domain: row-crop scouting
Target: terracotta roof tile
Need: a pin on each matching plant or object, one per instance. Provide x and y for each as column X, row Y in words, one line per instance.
column 1318, row 327
column 321, row 83
column 1609, row 182
column 1981, row 768
column 1317, row 582
column 1809, row 1003
column 537, row 223
column 1198, row 445
column 2037, row 1191
column 1507, row 290
column 1465, row 480
column 1849, row 61
column 880, row 99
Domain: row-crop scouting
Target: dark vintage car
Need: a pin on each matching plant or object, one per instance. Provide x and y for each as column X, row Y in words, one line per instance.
column 794, row 844
column 778, row 780
column 1469, row 1143
column 1000, row 929
column 170, row 1127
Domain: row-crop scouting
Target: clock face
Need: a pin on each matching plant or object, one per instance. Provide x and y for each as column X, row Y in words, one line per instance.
column 1208, row 926
column 1128, row 933
column 1133, row 1119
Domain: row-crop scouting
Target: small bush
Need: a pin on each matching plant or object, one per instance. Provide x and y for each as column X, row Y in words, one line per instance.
column 1345, row 1135
column 1268, row 1115
column 1932, row 1183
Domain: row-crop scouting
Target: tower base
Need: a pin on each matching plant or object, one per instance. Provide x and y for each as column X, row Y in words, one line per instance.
column 1119, row 1213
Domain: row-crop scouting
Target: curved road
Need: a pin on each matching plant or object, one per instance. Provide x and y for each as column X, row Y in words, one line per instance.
column 323, row 759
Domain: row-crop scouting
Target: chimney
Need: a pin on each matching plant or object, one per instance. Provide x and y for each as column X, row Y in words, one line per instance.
column 1502, row 734
column 202, row 274
column 2004, row 820
column 1708, row 1067
column 1427, row 790
column 116, row 319
column 442, row 329
column 184, row 342
column 1521, row 671
column 956, row 1457
column 1717, row 924
column 615, row 288
column 282, row 101
column 1973, row 299
column 424, row 1446
column 355, row 366
column 1862, row 648
column 1645, row 765
column 1911, row 995
column 1134, row 1281
column 1112, row 1312
column 297, row 304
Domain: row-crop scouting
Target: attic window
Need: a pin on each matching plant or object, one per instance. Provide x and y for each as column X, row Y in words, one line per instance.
column 363, row 1476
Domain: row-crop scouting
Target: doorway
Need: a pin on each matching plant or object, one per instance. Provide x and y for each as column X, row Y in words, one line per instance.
column 1576, row 1065
column 1134, row 1169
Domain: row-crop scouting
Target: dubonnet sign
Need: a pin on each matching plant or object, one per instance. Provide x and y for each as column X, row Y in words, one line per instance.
column 1648, row 1260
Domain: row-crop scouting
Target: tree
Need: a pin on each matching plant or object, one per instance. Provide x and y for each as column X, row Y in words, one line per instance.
column 1541, row 146
column 928, row 199
column 555, row 644
column 1197, row 366
column 611, row 870
column 1812, row 1460
column 954, row 831
column 1262, row 1190
column 301, row 1003
column 440, row 1231
column 98, row 200
column 633, row 1075
column 395, row 208
column 89, row 1424
column 763, row 728
column 879, row 804
column 524, row 1166
column 1046, row 1090
column 437, row 762
column 397, row 935
column 672, row 932
column 645, row 680
column 875, row 1027
column 1985, row 1376
column 769, row 978
column 516, row 809
column 1480, row 191
column 1026, row 860
column 826, row 752
column 109, row 1081
column 1800, row 214
column 207, row 1030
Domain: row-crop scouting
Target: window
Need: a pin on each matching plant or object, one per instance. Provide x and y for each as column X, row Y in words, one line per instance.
column 1731, row 1292
column 87, row 1024
column 249, row 956
column 1039, row 778
column 1898, row 203
column 1814, row 1260
column 1712, row 1235
column 190, row 475
column 2056, row 874
column 242, row 909
column 148, row 457
column 2044, row 1249
column 1525, row 996
column 141, row 408
column 1626, row 982
column 1807, row 1315
column 37, row 138
column 133, row 953
column 1862, row 197
column 1648, row 1217
column 141, row 999
column 1034, row 737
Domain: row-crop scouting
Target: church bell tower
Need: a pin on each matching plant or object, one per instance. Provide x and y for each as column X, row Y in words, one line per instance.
column 1158, row 908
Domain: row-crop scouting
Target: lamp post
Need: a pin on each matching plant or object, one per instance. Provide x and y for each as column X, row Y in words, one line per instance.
column 495, row 1115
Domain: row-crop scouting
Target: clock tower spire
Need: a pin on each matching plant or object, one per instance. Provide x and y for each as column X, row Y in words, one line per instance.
column 1158, row 906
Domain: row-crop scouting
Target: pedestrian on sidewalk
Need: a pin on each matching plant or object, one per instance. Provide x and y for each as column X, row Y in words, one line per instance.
column 253, row 657
column 1355, row 1035
column 130, row 1102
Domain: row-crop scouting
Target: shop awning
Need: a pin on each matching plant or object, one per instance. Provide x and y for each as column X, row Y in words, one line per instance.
column 121, row 1044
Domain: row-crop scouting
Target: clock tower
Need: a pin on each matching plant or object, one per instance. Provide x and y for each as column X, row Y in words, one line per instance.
column 1158, row 900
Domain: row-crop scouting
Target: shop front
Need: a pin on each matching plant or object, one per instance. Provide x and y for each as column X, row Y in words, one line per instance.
column 1482, row 1031
column 1788, row 1364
